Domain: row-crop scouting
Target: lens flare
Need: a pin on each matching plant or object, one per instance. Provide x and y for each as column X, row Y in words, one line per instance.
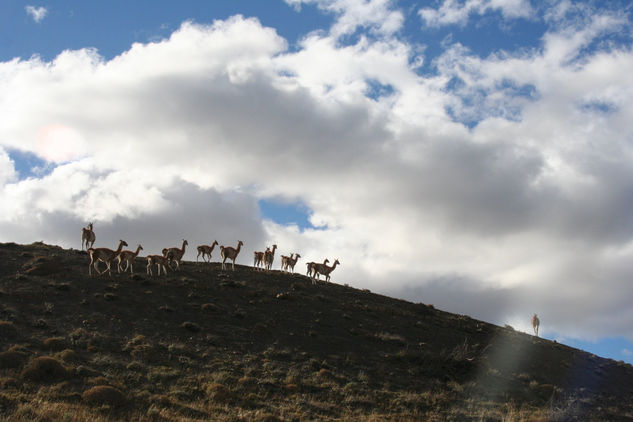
column 58, row 143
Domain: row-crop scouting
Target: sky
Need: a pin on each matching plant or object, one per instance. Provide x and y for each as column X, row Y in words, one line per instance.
column 475, row 155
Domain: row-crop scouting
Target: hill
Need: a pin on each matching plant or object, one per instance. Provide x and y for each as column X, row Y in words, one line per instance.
column 205, row 344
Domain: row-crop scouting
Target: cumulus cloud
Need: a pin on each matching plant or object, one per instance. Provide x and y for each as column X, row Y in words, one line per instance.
column 456, row 12
column 37, row 13
column 376, row 15
column 7, row 169
column 525, row 211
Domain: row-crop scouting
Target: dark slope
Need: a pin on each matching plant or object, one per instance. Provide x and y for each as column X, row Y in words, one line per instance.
column 206, row 344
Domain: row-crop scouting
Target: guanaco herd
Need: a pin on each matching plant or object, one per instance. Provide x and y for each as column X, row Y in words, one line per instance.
column 171, row 257
column 262, row 261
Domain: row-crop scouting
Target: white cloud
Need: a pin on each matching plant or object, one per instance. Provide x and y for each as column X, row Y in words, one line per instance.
column 37, row 13
column 180, row 138
column 456, row 12
column 377, row 15
column 7, row 169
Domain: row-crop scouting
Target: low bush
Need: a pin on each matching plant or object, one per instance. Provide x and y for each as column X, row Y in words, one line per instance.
column 211, row 308
column 45, row 369
column 8, row 330
column 191, row 326
column 219, row 393
column 68, row 355
column 12, row 359
column 104, row 395
column 54, row 344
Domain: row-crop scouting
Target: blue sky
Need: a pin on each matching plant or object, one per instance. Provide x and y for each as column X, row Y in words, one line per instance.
column 112, row 27
column 472, row 154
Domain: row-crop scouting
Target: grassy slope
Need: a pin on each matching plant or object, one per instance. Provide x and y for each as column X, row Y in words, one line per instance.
column 203, row 344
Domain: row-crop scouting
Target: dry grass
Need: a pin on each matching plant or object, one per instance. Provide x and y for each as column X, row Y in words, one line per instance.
column 326, row 353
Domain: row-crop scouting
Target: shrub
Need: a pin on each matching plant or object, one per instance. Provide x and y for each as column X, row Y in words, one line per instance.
column 191, row 326
column 266, row 418
column 100, row 380
column 42, row 265
column 64, row 287
column 219, row 393
column 101, row 342
column 110, row 296
column 138, row 339
column 389, row 337
column 55, row 344
column 79, row 337
column 260, row 329
column 247, row 382
column 6, row 403
column 211, row 308
column 46, row 369
column 161, row 399
column 8, row 330
column 9, row 382
column 104, row 395
column 68, row 355
column 136, row 366
column 12, row 359
column 325, row 374
column 141, row 349
column 144, row 352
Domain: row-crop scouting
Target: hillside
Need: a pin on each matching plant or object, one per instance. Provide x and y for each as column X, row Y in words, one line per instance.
column 205, row 344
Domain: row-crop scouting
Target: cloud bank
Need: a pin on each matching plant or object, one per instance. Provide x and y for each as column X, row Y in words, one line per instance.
column 496, row 186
